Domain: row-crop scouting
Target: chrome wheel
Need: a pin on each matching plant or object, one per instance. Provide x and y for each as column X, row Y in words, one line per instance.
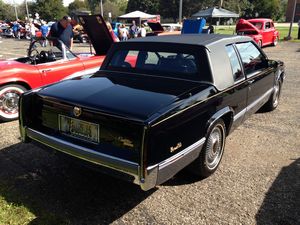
column 276, row 94
column 215, row 147
column 9, row 98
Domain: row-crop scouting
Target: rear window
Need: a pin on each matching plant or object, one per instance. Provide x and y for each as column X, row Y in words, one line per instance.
column 160, row 63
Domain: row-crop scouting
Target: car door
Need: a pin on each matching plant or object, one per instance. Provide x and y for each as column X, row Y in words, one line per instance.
column 259, row 76
column 239, row 94
column 63, row 64
column 267, row 33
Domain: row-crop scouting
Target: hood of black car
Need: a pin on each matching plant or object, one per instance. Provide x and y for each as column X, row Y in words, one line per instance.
column 98, row 33
column 130, row 96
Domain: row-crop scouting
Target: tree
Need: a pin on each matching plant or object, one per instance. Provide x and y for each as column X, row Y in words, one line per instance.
column 170, row 8
column 78, row 5
column 50, row 9
column 6, row 11
column 267, row 8
column 148, row 6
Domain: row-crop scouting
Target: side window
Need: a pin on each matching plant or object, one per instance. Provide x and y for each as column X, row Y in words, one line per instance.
column 253, row 60
column 235, row 65
column 267, row 25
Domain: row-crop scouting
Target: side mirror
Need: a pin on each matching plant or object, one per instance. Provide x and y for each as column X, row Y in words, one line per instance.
column 272, row 63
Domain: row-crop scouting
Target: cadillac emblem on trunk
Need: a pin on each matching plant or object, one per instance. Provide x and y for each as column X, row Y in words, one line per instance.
column 77, row 111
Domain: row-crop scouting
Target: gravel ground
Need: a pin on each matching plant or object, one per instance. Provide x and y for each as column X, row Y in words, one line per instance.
column 258, row 181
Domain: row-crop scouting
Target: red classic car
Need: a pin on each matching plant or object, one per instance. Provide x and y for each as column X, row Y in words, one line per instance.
column 261, row 30
column 46, row 65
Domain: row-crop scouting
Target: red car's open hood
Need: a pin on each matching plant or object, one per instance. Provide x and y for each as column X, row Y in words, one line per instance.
column 98, row 33
column 243, row 24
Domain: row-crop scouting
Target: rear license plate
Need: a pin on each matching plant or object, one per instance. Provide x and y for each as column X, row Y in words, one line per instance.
column 78, row 128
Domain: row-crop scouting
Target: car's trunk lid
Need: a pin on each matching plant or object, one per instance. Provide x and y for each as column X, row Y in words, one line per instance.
column 126, row 95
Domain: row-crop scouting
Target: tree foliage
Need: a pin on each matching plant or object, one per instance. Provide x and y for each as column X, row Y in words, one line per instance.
column 54, row 9
column 78, row 5
column 148, row 6
column 6, row 11
column 50, row 9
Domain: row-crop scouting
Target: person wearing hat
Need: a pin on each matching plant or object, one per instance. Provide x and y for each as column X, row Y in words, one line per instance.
column 63, row 30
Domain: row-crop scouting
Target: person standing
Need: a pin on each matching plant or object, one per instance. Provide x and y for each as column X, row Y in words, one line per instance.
column 142, row 31
column 63, row 31
column 133, row 30
column 44, row 30
column 32, row 30
column 112, row 33
column 124, row 33
column 16, row 29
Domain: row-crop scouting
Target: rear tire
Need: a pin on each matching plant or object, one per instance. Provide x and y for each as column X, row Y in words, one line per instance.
column 275, row 41
column 212, row 152
column 9, row 101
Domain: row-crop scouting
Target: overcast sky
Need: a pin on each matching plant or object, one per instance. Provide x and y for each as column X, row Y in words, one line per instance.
column 66, row 2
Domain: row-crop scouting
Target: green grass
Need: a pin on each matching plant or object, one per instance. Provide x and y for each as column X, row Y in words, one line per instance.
column 14, row 214
column 283, row 31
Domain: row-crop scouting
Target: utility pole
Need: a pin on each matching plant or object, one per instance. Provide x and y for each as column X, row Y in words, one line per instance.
column 16, row 12
column 101, row 8
column 292, row 20
column 180, row 11
column 26, row 5
column 221, row 3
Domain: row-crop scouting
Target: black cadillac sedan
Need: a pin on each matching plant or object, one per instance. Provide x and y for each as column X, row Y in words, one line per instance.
column 156, row 105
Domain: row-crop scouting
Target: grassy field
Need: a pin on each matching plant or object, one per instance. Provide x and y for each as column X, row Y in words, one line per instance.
column 283, row 31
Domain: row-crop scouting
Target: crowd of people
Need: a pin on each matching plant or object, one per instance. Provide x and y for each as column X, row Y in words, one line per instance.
column 65, row 31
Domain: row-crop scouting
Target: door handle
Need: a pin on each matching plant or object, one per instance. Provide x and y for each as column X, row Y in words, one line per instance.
column 46, row 70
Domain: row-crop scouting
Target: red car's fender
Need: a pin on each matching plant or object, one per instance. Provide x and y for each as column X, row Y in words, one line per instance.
column 16, row 72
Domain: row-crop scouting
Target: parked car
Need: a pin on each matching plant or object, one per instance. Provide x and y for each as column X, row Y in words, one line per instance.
column 157, row 105
column 159, row 30
column 46, row 65
column 261, row 30
column 170, row 27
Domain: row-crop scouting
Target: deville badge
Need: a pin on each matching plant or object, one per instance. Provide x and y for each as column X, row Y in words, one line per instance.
column 77, row 111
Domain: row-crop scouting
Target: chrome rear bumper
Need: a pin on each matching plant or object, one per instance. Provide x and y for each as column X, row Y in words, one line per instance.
column 154, row 175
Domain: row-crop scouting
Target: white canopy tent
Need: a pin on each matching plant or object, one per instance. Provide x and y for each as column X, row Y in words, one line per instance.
column 137, row 15
column 216, row 12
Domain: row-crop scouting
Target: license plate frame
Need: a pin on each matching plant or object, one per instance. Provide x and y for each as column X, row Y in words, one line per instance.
column 80, row 129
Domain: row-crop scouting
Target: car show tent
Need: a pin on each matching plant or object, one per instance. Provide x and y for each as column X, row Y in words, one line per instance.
column 216, row 12
column 137, row 15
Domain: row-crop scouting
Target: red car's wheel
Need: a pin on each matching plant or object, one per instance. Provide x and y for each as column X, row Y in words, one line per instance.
column 9, row 98
column 275, row 41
